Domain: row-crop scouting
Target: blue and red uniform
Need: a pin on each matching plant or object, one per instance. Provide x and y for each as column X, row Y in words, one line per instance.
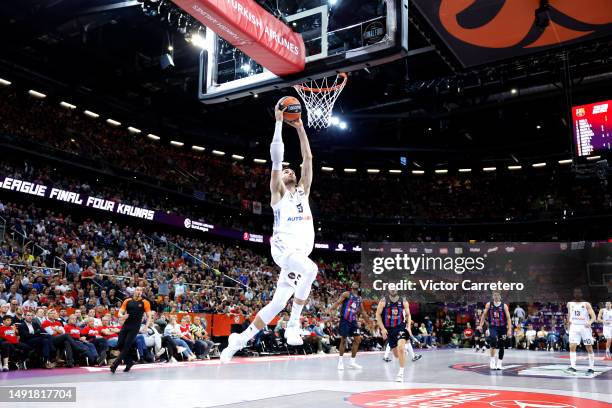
column 498, row 325
column 348, row 316
column 394, row 321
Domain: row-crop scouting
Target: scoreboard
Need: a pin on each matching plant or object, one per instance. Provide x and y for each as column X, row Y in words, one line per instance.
column 592, row 128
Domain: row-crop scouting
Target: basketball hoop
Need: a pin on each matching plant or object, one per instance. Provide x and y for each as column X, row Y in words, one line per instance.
column 319, row 97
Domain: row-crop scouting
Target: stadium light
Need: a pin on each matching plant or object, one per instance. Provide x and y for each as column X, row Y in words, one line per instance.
column 418, row 172
column 343, row 125
column 488, row 169
column 67, row 105
column 395, row 171
column 593, row 157
column 332, row 2
column 176, row 143
column 514, row 91
column 153, row 137
column 465, row 170
column 218, row 153
column 197, row 148
column 538, row 127
column 373, row 171
column 134, row 130
column 237, row 157
column 5, row 82
column 37, row 94
column 538, row 165
column 515, row 167
column 334, row 120
column 441, row 171
column 198, row 41
column 328, row 169
column 566, row 161
column 261, row 161
column 113, row 122
column 350, row 170
column 91, row 114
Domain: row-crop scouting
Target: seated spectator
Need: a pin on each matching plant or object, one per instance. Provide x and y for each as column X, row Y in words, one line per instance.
column 552, row 339
column 109, row 331
column 61, row 341
column 530, row 335
column 467, row 335
column 197, row 346
column 94, row 335
column 11, row 347
column 424, row 337
column 541, row 338
column 198, row 331
column 173, row 330
column 82, row 346
column 32, row 334
column 520, row 341
column 153, row 338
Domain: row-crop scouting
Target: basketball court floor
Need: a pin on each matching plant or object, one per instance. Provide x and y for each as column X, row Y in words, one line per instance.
column 442, row 378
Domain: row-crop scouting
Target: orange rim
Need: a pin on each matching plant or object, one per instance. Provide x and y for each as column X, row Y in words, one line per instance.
column 333, row 88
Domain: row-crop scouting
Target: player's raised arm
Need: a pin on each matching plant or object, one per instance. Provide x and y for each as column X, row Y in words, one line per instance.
column 306, row 177
column 277, row 151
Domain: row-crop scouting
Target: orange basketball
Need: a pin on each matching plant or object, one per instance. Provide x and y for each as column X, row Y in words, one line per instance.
column 293, row 108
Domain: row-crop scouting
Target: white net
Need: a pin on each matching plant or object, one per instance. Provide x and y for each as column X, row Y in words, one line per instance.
column 319, row 96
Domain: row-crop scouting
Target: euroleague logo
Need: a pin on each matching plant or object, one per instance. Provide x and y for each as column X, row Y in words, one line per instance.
column 468, row 398
column 187, row 223
column 514, row 21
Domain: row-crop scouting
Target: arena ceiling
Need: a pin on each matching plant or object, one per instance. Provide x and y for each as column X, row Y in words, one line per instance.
column 105, row 54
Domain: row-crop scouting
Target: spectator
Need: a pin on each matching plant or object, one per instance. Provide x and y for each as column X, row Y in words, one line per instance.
column 11, row 346
column 199, row 334
column 60, row 340
column 81, row 345
column 93, row 334
column 73, row 269
column 173, row 330
column 530, row 335
column 32, row 334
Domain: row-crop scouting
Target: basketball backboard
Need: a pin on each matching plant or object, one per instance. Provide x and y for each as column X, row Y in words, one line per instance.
column 339, row 35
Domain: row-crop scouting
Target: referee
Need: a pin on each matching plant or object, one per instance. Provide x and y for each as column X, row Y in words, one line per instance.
column 132, row 310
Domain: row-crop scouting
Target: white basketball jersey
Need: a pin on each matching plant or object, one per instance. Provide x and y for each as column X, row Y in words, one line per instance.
column 578, row 313
column 607, row 317
column 293, row 226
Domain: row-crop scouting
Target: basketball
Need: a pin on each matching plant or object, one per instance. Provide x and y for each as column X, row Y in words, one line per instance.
column 292, row 108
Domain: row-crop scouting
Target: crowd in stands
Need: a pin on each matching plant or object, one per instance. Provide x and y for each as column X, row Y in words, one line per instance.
column 515, row 196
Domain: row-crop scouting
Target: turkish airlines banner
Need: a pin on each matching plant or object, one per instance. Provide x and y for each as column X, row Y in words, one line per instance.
column 481, row 31
column 248, row 27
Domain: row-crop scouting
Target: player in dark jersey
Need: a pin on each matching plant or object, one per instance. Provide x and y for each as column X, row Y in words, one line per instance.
column 497, row 315
column 352, row 304
column 393, row 318
column 131, row 312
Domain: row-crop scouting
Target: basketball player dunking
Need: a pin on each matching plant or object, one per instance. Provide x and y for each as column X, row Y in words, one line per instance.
column 581, row 316
column 292, row 241
column 394, row 320
column 500, row 328
column 605, row 317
